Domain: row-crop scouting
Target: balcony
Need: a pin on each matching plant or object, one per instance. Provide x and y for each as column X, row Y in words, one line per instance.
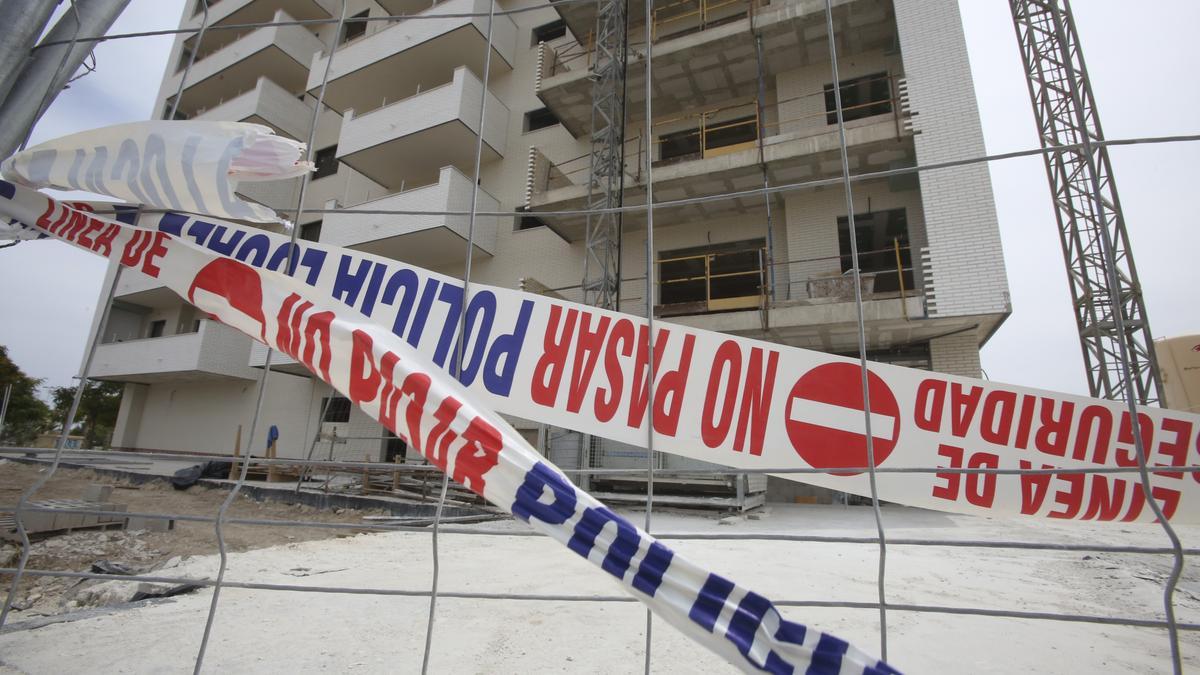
column 813, row 304
column 278, row 53
column 231, row 12
column 141, row 289
column 702, row 55
column 718, row 155
column 429, row 241
column 410, row 140
column 390, row 63
column 214, row 352
column 267, row 103
column 280, row 195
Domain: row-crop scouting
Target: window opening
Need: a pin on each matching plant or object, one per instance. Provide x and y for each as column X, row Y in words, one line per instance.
column 337, row 410
column 311, row 231
column 865, row 96
column 711, row 278
column 326, row 162
column 878, row 234
column 549, row 31
column 540, row 119
column 525, row 222
column 355, row 29
column 679, row 145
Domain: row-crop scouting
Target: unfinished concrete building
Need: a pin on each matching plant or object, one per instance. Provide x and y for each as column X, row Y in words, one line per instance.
column 742, row 99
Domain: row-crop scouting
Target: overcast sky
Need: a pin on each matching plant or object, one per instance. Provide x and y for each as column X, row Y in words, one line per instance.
column 1141, row 65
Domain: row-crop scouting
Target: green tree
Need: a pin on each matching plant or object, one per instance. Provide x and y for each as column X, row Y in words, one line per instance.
column 27, row 415
column 97, row 414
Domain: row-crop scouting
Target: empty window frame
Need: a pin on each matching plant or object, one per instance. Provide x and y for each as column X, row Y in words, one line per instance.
column 526, row 222
column 712, row 278
column 548, row 31
column 864, row 96
column 337, row 410
column 355, row 29
column 730, row 132
column 879, row 234
column 157, row 328
column 540, row 119
column 311, row 231
column 679, row 145
column 326, row 161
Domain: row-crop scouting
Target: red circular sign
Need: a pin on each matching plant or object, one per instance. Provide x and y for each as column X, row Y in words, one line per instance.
column 825, row 417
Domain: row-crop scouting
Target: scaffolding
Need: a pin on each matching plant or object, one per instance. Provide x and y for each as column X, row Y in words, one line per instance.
column 602, row 257
column 1105, row 293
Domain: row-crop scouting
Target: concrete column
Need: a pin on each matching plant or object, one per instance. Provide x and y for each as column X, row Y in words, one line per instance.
column 129, row 416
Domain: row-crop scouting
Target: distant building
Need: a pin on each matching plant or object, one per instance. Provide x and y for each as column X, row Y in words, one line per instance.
column 398, row 131
column 1179, row 363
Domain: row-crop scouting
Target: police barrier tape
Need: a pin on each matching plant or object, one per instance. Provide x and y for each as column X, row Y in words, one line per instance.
column 396, row 384
column 182, row 165
column 741, row 402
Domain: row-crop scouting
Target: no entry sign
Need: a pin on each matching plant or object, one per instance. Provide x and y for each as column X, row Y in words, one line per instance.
column 825, row 420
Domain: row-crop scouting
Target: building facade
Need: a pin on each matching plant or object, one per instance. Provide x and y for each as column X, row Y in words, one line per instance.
column 742, row 99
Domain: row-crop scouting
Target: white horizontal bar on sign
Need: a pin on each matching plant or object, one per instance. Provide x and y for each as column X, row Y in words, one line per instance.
column 841, row 418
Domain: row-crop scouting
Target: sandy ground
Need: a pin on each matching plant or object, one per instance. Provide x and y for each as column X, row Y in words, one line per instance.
column 276, row 631
column 140, row 550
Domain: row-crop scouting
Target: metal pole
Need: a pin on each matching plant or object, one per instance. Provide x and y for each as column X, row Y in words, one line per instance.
column 651, row 361
column 862, row 333
column 49, row 69
column 24, row 22
column 761, row 101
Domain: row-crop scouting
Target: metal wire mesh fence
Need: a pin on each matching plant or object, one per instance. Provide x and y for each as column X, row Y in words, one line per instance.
column 882, row 542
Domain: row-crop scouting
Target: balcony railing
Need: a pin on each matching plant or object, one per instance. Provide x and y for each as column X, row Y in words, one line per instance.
column 392, row 56
column 744, row 279
column 214, row 349
column 267, row 101
column 739, row 126
column 385, row 144
column 431, row 239
column 673, row 20
column 712, row 282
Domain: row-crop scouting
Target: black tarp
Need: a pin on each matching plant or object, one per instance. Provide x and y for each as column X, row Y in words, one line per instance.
column 187, row 477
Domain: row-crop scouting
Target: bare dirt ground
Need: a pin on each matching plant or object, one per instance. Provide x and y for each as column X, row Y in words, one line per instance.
column 140, row 550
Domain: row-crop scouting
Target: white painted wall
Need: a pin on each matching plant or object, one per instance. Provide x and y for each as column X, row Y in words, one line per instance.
column 203, row 416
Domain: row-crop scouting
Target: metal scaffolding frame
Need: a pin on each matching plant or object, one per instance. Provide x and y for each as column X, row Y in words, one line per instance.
column 606, row 177
column 1105, row 293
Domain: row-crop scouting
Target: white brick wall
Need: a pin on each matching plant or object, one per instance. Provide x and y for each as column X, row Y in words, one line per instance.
column 956, row 354
column 960, row 213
